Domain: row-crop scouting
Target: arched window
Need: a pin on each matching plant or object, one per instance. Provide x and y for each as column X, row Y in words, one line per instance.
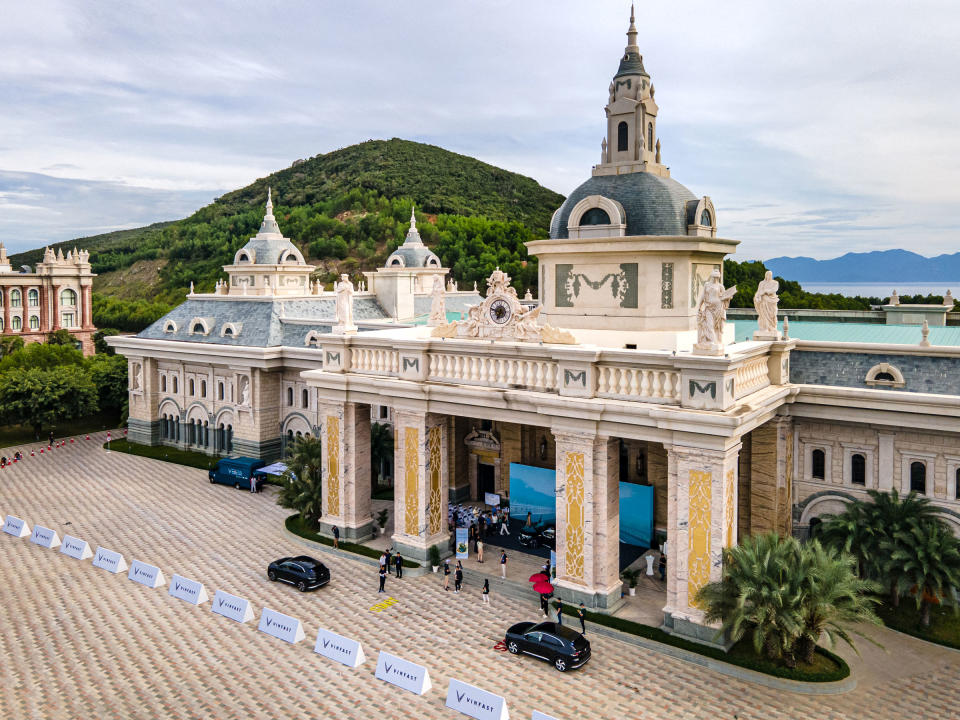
column 33, row 297
column 242, row 257
column 1, row 324
column 68, row 298
column 595, row 216
column 163, row 383
column 650, row 137
column 34, row 322
column 192, row 386
column 623, row 137
column 220, row 391
column 884, row 377
column 16, row 323
column 818, row 470
column 203, row 388
column 305, row 398
column 289, row 396
column 228, row 331
column 199, row 329
column 705, row 219
column 176, row 384
column 858, row 469
column 16, row 298
column 918, row 477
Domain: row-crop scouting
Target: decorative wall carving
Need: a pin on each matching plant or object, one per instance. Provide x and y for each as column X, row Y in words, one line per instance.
column 435, row 459
column 411, row 468
column 698, row 558
column 575, row 531
column 333, row 465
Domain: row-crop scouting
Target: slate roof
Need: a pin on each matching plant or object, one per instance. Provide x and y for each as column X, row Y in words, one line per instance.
column 631, row 64
column 262, row 325
column 856, row 332
column 654, row 205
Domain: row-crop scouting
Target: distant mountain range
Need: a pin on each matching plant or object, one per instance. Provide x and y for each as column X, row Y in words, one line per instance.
column 877, row 266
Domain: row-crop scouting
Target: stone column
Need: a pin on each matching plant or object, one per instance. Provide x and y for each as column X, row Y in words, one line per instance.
column 345, row 442
column 6, row 309
column 885, row 461
column 43, row 296
column 55, row 324
column 421, row 484
column 701, row 521
column 87, row 300
column 771, row 476
column 588, row 519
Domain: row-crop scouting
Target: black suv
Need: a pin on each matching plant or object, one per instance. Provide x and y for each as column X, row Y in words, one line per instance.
column 562, row 646
column 302, row 571
column 539, row 536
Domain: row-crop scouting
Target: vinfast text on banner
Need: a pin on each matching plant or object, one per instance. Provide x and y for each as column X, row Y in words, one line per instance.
column 283, row 627
column 16, row 527
column 338, row 648
column 44, row 537
column 144, row 574
column 403, row 673
column 188, row 590
column 75, row 548
column 109, row 560
column 231, row 606
column 475, row 702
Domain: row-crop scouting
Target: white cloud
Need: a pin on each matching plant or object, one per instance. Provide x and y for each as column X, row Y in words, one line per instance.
column 818, row 125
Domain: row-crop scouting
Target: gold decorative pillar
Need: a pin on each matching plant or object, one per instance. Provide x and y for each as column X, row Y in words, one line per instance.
column 421, row 482
column 345, row 443
column 701, row 521
column 588, row 518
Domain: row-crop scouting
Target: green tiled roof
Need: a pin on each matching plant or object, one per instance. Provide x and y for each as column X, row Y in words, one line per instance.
column 857, row 333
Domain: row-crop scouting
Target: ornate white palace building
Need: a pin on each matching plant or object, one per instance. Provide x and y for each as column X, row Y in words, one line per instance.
column 623, row 369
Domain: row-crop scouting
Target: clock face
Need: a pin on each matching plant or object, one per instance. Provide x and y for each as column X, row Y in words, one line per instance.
column 500, row 311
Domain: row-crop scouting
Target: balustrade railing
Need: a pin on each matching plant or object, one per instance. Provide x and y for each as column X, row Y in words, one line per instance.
column 495, row 371
column 753, row 375
column 636, row 383
column 377, row 361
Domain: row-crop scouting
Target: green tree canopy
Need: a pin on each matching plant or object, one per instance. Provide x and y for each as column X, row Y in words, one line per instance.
column 43, row 396
column 303, row 480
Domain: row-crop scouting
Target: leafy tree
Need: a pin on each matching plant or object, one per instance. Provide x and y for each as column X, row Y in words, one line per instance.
column 926, row 556
column 853, row 531
column 40, row 396
column 109, row 375
column 303, row 480
column 42, row 356
column 381, row 448
column 10, row 344
column 100, row 341
column 61, row 337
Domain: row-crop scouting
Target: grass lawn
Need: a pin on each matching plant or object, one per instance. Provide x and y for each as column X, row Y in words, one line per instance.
column 298, row 527
column 167, row 454
column 944, row 623
column 826, row 666
column 23, row 434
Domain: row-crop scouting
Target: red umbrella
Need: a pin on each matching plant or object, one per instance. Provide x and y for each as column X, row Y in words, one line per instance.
column 538, row 577
column 543, row 588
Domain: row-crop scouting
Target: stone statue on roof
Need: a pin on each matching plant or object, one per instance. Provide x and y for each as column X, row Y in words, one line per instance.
column 344, row 290
column 712, row 315
column 438, row 310
column 765, row 302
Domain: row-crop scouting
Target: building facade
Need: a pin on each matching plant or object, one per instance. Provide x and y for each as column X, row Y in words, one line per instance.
column 57, row 295
column 606, row 378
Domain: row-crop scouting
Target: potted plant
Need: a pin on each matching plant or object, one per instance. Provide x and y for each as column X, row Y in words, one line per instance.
column 434, row 555
column 631, row 578
column 382, row 521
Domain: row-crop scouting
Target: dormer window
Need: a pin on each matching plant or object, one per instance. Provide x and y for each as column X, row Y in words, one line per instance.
column 595, row 216
column 230, row 330
column 200, row 326
column 198, row 329
column 705, row 218
column 395, row 261
column 242, row 257
column 170, row 327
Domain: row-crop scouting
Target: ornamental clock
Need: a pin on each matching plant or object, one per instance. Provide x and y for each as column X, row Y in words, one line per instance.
column 500, row 311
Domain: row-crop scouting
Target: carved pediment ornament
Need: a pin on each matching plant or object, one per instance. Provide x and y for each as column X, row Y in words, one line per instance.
column 501, row 316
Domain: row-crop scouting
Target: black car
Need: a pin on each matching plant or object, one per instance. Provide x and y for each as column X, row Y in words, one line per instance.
column 539, row 536
column 557, row 644
column 302, row 571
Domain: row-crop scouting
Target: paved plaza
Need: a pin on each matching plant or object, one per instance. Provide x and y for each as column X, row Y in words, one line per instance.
column 79, row 642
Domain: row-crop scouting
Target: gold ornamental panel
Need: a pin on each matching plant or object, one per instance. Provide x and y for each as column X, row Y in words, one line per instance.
column 575, row 533
column 333, row 466
column 411, row 509
column 435, row 458
column 728, row 509
column 698, row 559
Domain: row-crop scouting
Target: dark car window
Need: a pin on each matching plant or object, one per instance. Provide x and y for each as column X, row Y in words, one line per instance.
column 289, row 566
column 552, row 642
column 532, row 637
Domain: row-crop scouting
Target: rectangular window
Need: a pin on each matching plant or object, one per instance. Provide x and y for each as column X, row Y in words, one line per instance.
column 66, row 320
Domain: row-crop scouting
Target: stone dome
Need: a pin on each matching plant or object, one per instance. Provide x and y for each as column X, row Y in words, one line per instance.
column 653, row 205
column 413, row 253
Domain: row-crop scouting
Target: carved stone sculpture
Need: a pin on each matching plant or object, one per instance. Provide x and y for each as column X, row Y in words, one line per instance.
column 244, row 391
column 438, row 310
column 765, row 302
column 712, row 315
column 344, row 290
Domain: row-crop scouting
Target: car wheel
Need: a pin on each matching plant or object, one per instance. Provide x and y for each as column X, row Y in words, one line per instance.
column 513, row 647
column 237, row 485
column 212, row 481
column 302, row 586
column 560, row 664
column 272, row 575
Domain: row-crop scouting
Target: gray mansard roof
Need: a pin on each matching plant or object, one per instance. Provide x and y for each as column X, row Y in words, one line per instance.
column 257, row 323
column 653, row 205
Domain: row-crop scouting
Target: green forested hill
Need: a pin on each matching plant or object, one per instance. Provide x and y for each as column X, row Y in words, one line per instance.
column 347, row 210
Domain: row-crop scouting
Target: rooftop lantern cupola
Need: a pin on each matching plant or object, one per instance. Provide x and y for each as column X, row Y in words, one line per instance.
column 631, row 144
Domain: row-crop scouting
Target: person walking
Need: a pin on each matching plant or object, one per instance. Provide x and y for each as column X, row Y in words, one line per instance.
column 663, row 567
column 503, row 564
column 479, row 550
column 51, row 439
column 383, row 559
column 482, row 533
column 559, row 612
column 458, row 578
column 543, row 605
column 474, row 537
column 383, row 578
column 486, row 591
column 446, row 574
column 582, row 614
column 505, row 521
column 336, row 536
column 398, row 562
column 389, row 560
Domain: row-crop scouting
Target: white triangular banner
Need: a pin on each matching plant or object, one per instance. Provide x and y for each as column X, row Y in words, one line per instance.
column 76, row 548
column 16, row 527
column 44, row 537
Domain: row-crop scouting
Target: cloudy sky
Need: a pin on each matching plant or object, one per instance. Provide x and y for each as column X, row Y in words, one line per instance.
column 817, row 127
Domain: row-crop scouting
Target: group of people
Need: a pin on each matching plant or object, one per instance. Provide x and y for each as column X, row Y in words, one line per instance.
column 390, row 564
column 17, row 456
column 581, row 612
column 480, row 522
column 458, row 580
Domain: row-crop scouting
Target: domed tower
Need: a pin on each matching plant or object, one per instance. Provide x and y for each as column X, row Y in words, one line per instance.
column 630, row 248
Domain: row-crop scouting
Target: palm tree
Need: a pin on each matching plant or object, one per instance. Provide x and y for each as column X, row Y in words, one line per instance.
column 927, row 558
column 834, row 596
column 759, row 594
column 303, row 486
column 381, row 448
column 852, row 532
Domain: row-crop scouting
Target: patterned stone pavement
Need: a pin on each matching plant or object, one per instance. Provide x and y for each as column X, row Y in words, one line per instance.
column 79, row 642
